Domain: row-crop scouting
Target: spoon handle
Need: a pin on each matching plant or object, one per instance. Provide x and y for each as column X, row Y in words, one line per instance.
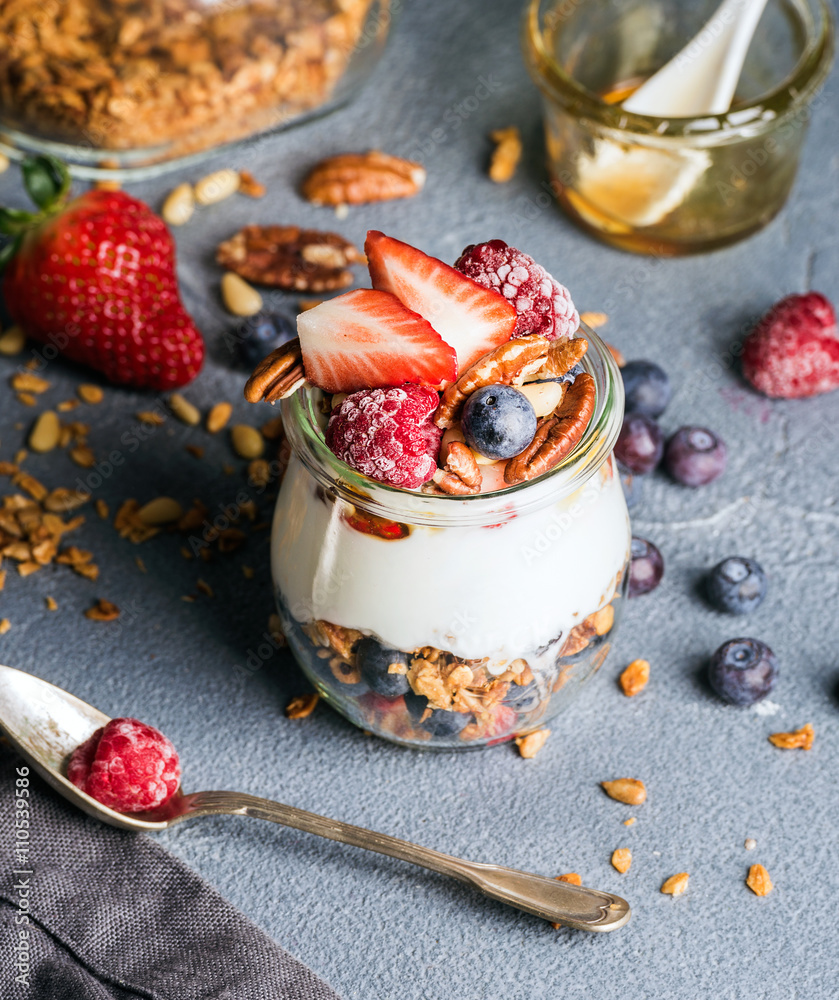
column 570, row 905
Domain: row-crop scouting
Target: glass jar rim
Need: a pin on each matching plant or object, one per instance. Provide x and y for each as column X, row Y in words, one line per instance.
column 303, row 429
column 761, row 115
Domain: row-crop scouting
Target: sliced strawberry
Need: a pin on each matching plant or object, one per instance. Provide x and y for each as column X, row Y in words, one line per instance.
column 367, row 339
column 470, row 318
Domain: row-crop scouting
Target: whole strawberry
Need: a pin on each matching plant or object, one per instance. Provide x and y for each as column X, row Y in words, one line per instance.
column 95, row 278
column 793, row 352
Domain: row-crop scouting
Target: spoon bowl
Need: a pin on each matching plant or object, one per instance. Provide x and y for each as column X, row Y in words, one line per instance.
column 45, row 724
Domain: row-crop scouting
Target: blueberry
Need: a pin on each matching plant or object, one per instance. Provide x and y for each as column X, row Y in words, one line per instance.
column 498, row 421
column 743, row 671
column 373, row 660
column 640, row 443
column 440, row 722
column 633, row 486
column 647, row 388
column 736, row 585
column 646, row 567
column 523, row 698
column 258, row 335
column 695, row 456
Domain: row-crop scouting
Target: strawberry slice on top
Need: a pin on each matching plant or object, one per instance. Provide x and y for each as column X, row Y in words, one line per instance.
column 367, row 339
column 471, row 318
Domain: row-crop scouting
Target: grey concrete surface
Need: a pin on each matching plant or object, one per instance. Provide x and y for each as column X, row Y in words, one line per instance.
column 375, row 928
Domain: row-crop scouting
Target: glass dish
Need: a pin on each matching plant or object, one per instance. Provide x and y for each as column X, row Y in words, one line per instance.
column 680, row 185
column 125, row 88
column 447, row 621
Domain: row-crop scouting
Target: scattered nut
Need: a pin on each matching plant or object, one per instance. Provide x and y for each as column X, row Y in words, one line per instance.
column 634, row 679
column 676, row 884
column 217, row 186
column 357, row 178
column 531, row 744
column 572, row 878
column 179, row 205
column 249, row 185
column 12, row 341
column 218, row 417
column 750, row 843
column 90, row 393
column 622, row 859
column 161, row 510
column 506, row 155
column 5, row 625
column 799, row 739
column 259, row 473
column 302, row 706
column 153, row 418
column 629, row 822
column 185, row 411
column 247, row 441
column 758, row 880
column 51, row 603
column 239, row 297
column 594, row 319
column 102, row 611
column 45, row 433
column 629, row 790
column 27, row 382
column 83, row 455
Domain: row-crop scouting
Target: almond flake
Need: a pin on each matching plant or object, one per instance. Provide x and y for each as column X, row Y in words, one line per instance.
column 758, row 880
column 622, row 859
column 51, row 603
column 102, row 611
column 676, row 884
column 302, row 706
column 799, row 739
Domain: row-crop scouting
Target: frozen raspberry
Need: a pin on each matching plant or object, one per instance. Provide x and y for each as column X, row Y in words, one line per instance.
column 127, row 766
column 388, row 434
column 793, row 351
column 543, row 305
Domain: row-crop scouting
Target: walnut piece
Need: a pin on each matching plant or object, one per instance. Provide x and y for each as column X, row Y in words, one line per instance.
column 303, row 260
column 357, row 178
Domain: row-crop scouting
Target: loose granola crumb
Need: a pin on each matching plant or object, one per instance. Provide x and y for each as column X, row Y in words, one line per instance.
column 67, row 405
column 141, row 566
column 758, row 880
column 195, row 450
column 102, row 509
column 152, row 418
column 750, row 843
column 531, row 744
column 250, row 186
column 27, row 382
column 83, row 455
column 26, row 399
column 799, row 739
column 629, row 822
column 572, row 878
column 51, row 603
column 204, row 588
column 102, row 611
column 634, row 679
column 90, row 393
column 676, row 884
column 629, row 790
column 594, row 319
column 247, row 572
column 622, row 859
column 302, row 706
column 5, row 625
column 506, row 155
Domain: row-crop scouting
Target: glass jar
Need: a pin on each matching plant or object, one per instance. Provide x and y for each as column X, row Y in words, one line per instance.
column 449, row 621
column 117, row 87
column 679, row 185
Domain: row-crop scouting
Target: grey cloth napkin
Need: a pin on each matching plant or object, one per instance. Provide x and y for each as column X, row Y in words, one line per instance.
column 112, row 916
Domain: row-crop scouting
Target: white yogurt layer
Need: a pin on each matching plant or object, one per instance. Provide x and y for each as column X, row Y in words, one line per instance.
column 500, row 592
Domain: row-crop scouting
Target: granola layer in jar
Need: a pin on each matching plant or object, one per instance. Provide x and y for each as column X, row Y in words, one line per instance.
column 452, row 621
column 136, row 82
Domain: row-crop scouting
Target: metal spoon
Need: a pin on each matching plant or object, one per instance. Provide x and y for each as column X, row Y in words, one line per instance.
column 45, row 724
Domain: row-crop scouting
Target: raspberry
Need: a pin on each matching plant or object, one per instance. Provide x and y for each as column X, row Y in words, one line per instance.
column 388, row 434
column 127, row 766
column 543, row 305
column 793, row 352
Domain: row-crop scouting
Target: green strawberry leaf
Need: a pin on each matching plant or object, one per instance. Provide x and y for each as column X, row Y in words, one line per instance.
column 7, row 251
column 47, row 181
column 14, row 221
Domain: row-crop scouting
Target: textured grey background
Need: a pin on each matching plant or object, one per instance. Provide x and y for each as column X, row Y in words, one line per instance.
column 376, row 928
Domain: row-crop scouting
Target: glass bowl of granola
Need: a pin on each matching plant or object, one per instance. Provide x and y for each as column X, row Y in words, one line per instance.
column 133, row 86
column 435, row 594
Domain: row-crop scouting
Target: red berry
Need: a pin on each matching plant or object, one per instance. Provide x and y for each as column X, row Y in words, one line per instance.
column 793, row 352
column 465, row 315
column 97, row 281
column 388, row 434
column 367, row 339
column 127, row 766
column 542, row 304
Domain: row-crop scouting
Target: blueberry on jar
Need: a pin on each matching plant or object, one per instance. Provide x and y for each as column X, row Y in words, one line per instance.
column 375, row 661
column 440, row 722
column 640, row 444
column 498, row 421
column 736, row 585
column 647, row 388
column 646, row 567
column 524, row 698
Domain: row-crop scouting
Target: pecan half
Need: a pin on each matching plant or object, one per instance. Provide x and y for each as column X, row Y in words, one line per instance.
column 499, row 366
column 460, row 474
column 303, row 260
column 279, row 375
column 356, row 178
column 564, row 354
column 557, row 434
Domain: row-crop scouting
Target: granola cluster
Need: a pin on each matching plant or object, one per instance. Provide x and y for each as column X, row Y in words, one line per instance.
column 122, row 75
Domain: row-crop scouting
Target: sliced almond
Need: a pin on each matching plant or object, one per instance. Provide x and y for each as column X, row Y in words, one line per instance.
column 161, row 510
column 247, row 441
column 45, row 433
column 629, row 790
column 218, row 417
